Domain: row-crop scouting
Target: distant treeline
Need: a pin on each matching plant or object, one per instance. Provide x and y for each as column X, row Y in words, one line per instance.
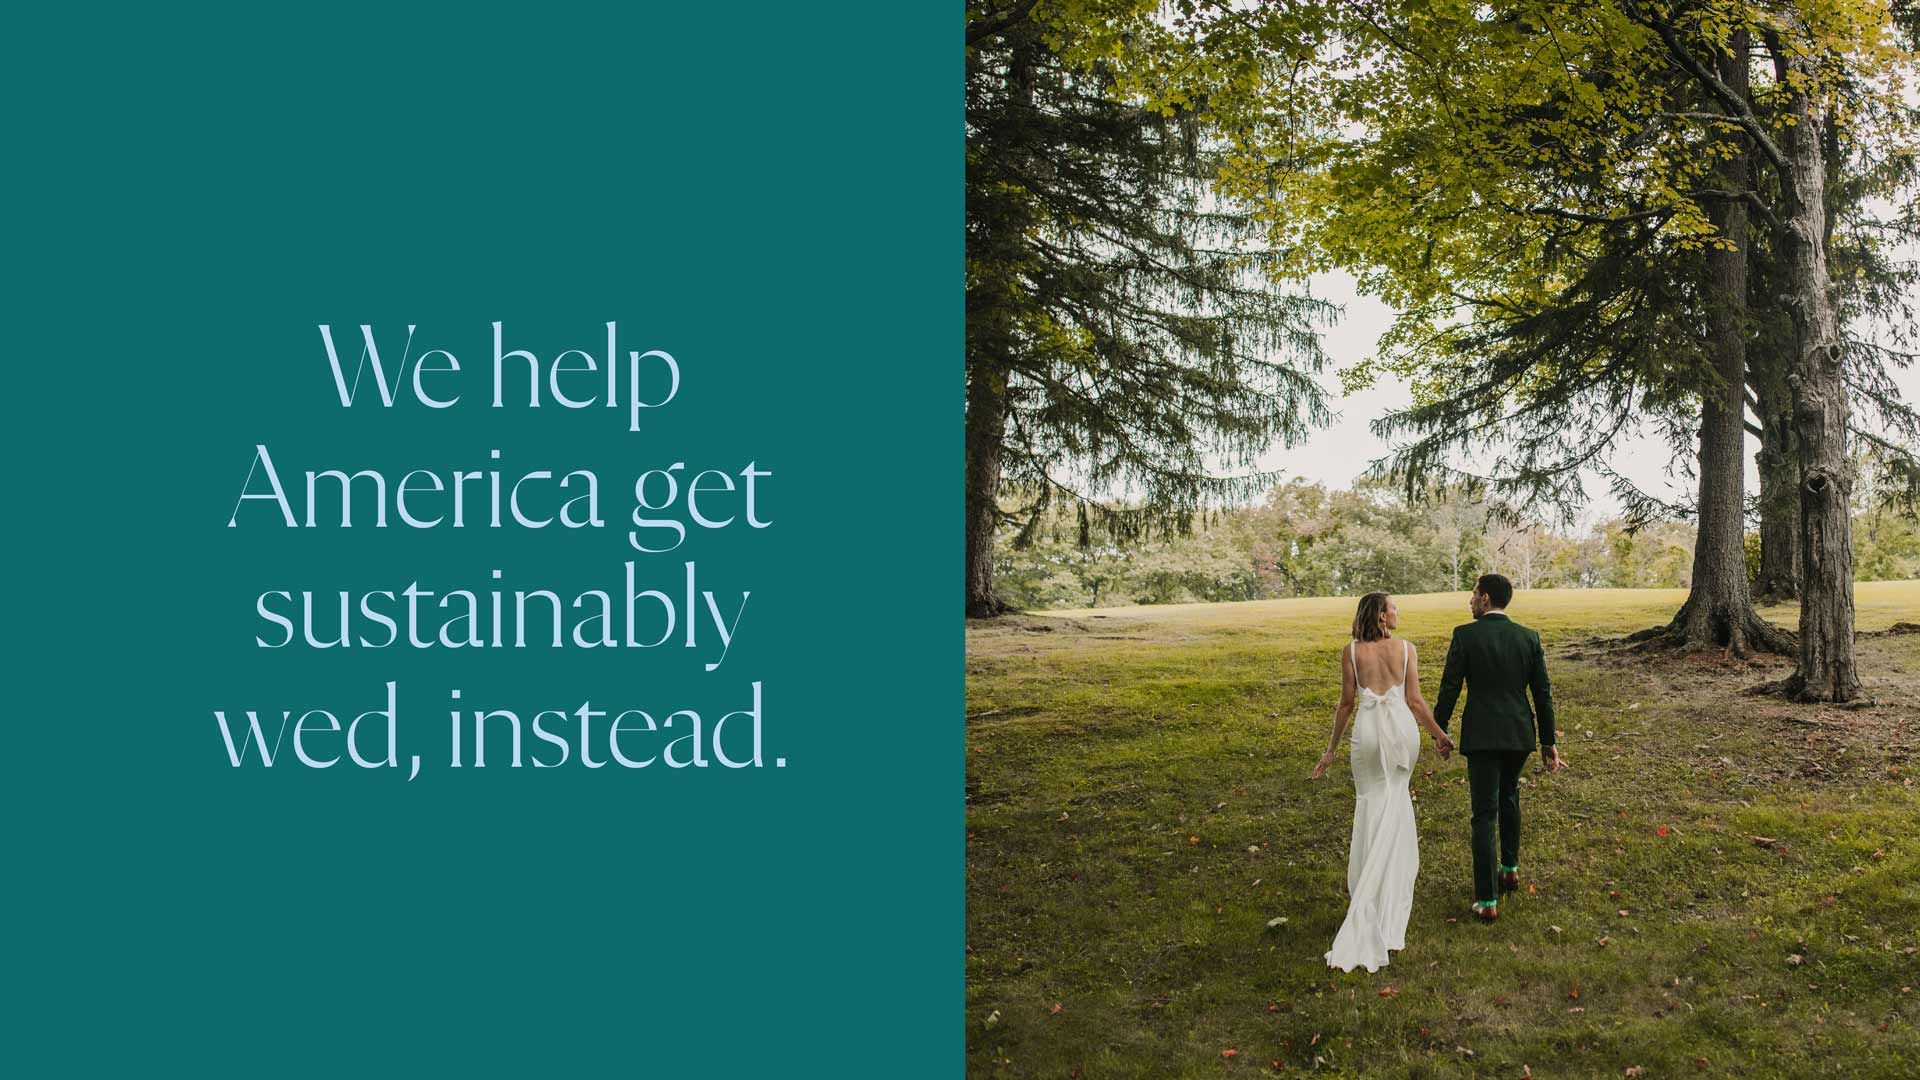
column 1307, row 540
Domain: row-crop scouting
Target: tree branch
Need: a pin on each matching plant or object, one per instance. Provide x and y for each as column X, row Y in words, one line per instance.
column 987, row 26
column 1596, row 219
column 1751, row 198
column 1742, row 112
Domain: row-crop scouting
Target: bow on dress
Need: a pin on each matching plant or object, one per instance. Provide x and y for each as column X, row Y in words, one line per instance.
column 1399, row 746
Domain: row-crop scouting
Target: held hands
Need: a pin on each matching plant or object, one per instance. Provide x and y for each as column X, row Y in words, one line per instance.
column 1443, row 745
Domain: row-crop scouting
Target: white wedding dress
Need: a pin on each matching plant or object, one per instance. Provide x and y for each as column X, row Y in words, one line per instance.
column 1385, row 857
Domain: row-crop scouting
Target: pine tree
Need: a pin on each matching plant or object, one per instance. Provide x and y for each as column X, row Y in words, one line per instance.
column 1122, row 336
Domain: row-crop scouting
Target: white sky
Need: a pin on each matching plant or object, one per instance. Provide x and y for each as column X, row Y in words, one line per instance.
column 1337, row 455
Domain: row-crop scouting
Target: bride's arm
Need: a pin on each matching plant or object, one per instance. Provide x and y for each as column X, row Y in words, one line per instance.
column 1340, row 715
column 1417, row 702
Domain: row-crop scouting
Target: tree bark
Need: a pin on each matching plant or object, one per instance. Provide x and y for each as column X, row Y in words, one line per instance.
column 1779, row 468
column 990, row 345
column 1719, row 609
column 1826, row 670
column 986, row 432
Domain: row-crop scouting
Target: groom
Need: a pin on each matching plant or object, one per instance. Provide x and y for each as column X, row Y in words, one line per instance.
column 1501, row 661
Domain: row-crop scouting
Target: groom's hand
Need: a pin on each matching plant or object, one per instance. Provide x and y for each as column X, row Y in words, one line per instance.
column 1551, row 756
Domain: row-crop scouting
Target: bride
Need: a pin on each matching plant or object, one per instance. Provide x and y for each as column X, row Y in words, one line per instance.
column 1385, row 856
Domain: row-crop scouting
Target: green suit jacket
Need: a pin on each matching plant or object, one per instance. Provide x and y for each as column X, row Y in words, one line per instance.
column 1501, row 661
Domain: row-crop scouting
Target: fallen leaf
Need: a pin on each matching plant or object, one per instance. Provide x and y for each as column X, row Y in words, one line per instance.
column 1764, row 841
column 1576, row 1010
column 993, row 1018
column 1530, row 889
column 1635, row 1070
column 1389, row 991
column 1316, row 1039
column 1276, row 922
column 1604, row 942
column 1623, row 913
column 1555, row 929
column 1796, row 959
column 1055, row 1011
column 1193, row 839
column 1661, row 831
column 1229, row 1053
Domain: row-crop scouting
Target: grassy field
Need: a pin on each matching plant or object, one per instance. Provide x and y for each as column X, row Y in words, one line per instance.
column 1722, row 885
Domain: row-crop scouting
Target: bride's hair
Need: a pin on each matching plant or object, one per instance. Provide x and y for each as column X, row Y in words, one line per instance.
column 1366, row 621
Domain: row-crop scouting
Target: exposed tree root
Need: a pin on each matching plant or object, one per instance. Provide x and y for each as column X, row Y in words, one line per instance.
column 1797, row 689
column 1741, row 634
column 989, row 607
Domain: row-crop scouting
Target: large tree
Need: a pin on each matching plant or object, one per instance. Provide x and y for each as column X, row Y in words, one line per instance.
column 1122, row 337
column 1476, row 135
column 1875, row 287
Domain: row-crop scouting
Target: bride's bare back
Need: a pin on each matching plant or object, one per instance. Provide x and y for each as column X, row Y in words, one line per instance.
column 1380, row 665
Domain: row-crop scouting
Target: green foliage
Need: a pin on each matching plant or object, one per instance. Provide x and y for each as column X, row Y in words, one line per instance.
column 1531, row 185
column 1307, row 540
column 1140, row 337
column 1886, row 546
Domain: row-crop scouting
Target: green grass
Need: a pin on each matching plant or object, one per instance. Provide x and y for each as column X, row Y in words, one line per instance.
column 1138, row 809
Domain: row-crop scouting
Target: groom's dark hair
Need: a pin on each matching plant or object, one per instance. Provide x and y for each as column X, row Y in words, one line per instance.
column 1496, row 588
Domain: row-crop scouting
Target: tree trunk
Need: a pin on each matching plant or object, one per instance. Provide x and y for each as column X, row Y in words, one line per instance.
column 990, row 345
column 1779, row 465
column 1826, row 670
column 986, row 430
column 1719, row 609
